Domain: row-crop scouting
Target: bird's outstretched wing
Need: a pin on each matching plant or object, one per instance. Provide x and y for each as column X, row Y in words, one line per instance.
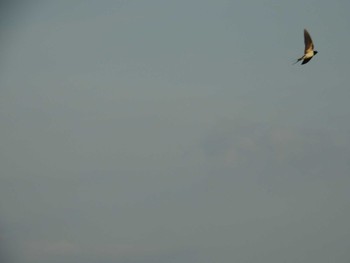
column 309, row 46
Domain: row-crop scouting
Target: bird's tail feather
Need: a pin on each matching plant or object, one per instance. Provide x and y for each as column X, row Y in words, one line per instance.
column 299, row 59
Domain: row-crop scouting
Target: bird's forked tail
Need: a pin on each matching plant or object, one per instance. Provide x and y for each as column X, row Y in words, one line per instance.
column 299, row 59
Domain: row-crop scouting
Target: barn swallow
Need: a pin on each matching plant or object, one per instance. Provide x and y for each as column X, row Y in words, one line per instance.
column 309, row 51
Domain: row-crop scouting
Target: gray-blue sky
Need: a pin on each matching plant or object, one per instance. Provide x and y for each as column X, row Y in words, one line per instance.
column 174, row 131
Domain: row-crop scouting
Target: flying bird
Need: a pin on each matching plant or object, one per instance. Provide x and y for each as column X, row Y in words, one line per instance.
column 309, row 51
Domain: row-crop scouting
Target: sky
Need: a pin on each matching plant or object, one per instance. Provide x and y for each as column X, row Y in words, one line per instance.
column 159, row 131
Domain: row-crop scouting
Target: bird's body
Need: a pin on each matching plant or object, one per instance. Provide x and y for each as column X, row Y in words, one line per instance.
column 309, row 51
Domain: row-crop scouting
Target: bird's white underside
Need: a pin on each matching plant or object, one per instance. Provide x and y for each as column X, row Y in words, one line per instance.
column 309, row 54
